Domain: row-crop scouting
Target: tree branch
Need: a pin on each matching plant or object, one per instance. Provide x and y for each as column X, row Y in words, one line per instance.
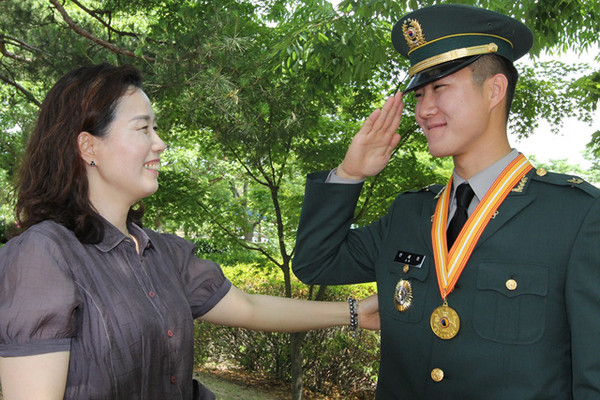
column 8, row 54
column 246, row 167
column 94, row 14
column 234, row 236
column 4, row 40
column 21, row 89
column 80, row 31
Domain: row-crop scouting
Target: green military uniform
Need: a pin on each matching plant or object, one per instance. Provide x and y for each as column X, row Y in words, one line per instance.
column 529, row 296
column 538, row 340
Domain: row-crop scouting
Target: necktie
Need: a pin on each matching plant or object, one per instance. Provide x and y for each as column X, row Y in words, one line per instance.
column 464, row 195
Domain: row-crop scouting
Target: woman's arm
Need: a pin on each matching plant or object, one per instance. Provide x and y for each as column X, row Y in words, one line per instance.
column 38, row 377
column 281, row 314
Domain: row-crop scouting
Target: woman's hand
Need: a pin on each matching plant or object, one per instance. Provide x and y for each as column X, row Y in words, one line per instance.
column 368, row 313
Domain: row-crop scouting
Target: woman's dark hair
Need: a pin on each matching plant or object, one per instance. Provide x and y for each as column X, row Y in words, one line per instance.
column 52, row 182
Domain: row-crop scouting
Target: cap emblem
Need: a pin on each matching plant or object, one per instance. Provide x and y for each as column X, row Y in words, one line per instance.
column 413, row 33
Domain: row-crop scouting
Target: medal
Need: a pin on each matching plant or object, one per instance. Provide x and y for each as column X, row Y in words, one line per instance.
column 403, row 295
column 449, row 263
column 444, row 322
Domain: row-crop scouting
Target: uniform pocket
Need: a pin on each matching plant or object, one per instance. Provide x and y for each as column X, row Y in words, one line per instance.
column 510, row 303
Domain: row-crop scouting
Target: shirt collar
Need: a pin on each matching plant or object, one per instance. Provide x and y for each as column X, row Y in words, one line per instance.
column 113, row 237
column 483, row 181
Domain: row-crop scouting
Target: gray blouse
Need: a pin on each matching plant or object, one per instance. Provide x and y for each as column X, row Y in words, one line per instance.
column 126, row 318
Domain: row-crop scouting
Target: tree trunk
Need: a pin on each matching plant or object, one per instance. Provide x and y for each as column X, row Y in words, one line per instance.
column 296, row 340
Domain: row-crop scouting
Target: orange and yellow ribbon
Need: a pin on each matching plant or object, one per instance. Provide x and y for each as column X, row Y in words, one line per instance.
column 449, row 266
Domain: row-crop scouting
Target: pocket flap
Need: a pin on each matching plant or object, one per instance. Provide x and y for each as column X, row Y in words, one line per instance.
column 513, row 279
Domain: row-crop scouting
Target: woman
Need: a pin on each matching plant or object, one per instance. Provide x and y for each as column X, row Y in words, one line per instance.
column 92, row 306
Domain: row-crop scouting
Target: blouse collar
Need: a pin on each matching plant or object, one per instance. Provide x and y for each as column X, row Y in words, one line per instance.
column 113, row 237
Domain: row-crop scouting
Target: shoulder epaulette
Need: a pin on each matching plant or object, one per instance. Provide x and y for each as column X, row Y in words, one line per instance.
column 541, row 175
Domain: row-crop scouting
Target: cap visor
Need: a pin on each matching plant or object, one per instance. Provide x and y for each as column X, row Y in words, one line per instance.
column 437, row 72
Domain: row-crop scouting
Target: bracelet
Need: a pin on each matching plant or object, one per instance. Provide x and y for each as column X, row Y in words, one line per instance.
column 353, row 303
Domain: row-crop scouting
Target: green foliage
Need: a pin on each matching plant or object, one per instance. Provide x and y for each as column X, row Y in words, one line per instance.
column 588, row 88
column 552, row 98
column 592, row 174
column 5, row 228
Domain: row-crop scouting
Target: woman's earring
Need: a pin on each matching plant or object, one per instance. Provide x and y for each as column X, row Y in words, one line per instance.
column 93, row 164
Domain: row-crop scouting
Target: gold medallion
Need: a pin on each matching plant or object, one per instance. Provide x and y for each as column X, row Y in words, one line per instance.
column 444, row 322
column 403, row 295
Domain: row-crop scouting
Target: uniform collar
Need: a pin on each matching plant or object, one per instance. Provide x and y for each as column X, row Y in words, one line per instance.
column 483, row 181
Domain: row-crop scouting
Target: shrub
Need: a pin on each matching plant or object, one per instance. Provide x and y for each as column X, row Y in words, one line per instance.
column 333, row 359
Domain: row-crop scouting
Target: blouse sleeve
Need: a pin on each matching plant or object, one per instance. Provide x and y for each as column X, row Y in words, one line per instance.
column 203, row 280
column 37, row 298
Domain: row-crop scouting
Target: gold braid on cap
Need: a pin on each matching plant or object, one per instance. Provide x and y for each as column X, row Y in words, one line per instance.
column 452, row 55
column 413, row 33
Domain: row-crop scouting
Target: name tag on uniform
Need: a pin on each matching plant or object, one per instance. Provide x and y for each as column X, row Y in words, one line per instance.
column 412, row 259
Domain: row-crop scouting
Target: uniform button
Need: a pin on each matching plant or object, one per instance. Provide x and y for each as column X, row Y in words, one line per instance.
column 170, row 333
column 173, row 379
column 541, row 172
column 151, row 294
column 406, row 268
column 437, row 374
column 511, row 284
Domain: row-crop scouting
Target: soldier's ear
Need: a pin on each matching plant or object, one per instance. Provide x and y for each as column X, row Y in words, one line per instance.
column 498, row 85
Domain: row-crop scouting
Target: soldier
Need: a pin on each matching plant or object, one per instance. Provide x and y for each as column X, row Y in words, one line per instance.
column 489, row 286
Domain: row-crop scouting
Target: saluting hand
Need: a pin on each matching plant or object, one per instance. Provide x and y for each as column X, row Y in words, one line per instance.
column 372, row 146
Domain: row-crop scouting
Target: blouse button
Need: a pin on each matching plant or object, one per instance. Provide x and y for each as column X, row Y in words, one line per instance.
column 151, row 294
column 170, row 333
column 173, row 379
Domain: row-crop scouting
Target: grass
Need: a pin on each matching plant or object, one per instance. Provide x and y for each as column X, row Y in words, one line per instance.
column 231, row 383
column 228, row 390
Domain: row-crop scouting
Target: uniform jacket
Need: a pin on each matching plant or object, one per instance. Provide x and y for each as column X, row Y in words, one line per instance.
column 540, row 340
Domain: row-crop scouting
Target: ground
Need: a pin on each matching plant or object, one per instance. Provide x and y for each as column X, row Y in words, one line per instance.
column 235, row 384
column 232, row 384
